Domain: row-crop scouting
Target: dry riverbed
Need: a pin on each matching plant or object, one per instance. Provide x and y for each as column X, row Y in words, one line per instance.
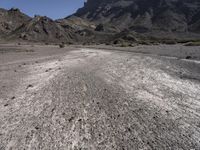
column 87, row 98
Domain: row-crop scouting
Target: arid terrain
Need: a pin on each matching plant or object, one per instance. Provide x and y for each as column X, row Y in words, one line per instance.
column 99, row 98
column 111, row 75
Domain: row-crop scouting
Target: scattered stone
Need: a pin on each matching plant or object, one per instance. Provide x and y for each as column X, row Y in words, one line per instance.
column 155, row 117
column 48, row 70
column 129, row 129
column 29, row 86
column 37, row 128
column 188, row 57
column 13, row 97
column 5, row 105
column 70, row 119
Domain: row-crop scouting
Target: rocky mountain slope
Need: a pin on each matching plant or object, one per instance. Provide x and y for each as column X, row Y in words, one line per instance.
column 43, row 29
column 76, row 23
column 11, row 19
column 108, row 21
column 144, row 15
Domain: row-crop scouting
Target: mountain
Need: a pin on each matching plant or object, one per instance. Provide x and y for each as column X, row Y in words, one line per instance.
column 144, row 15
column 11, row 19
column 109, row 21
column 41, row 28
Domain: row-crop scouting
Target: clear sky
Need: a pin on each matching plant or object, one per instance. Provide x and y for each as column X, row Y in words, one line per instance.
column 52, row 8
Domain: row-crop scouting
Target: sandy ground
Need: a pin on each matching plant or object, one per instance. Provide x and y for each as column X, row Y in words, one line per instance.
column 81, row 98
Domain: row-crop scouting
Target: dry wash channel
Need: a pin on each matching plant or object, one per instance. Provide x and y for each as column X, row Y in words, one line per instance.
column 98, row 99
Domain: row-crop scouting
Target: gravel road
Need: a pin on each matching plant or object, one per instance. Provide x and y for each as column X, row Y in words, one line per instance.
column 99, row 100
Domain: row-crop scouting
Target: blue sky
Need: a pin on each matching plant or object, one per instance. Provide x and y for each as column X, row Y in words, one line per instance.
column 52, row 8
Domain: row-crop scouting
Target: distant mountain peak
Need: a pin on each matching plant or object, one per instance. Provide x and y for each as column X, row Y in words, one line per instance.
column 14, row 10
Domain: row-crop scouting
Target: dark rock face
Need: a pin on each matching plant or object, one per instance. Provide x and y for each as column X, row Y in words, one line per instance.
column 100, row 27
column 145, row 15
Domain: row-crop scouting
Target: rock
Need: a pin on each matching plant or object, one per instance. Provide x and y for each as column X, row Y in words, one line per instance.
column 99, row 27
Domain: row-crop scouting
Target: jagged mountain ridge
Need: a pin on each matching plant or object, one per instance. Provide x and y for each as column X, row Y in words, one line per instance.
column 144, row 15
column 44, row 29
column 101, row 21
column 11, row 19
column 15, row 25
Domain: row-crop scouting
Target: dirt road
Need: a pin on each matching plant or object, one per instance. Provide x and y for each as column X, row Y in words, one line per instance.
column 97, row 99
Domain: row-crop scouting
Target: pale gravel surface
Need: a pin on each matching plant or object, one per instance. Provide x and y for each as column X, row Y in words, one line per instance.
column 84, row 98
